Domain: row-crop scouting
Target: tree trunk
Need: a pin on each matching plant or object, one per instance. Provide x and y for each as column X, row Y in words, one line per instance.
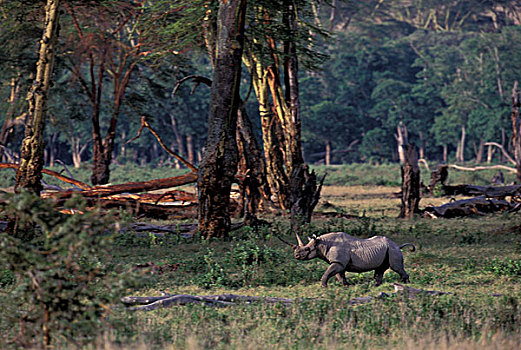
column 178, row 140
column 479, row 151
column 402, row 139
column 281, row 124
column 251, row 168
column 328, row 153
column 9, row 123
column 52, row 149
column 29, row 172
column 304, row 192
column 272, row 135
column 410, row 184
column 490, row 154
column 516, row 130
column 503, row 141
column 422, row 146
column 219, row 163
column 292, row 128
column 190, row 149
column 460, row 149
column 445, row 153
column 77, row 151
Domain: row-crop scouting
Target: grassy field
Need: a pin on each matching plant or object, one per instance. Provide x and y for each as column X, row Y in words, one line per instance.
column 476, row 259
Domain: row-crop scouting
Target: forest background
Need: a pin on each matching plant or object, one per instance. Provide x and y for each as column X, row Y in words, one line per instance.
column 442, row 69
column 373, row 73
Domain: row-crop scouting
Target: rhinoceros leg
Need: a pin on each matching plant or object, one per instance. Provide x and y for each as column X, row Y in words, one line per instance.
column 332, row 270
column 379, row 274
column 341, row 277
column 396, row 264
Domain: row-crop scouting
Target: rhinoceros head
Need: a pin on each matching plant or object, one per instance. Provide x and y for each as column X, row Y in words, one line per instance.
column 305, row 252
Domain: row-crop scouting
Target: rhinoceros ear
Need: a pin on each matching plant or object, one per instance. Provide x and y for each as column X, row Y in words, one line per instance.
column 299, row 240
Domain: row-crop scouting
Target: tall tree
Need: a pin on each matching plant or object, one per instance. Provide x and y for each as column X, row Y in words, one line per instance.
column 29, row 173
column 219, row 163
column 279, row 38
column 111, row 51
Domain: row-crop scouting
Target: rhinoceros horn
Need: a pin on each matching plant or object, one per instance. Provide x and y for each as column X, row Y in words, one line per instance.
column 299, row 240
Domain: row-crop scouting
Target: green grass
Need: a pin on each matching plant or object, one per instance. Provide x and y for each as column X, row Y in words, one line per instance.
column 389, row 175
column 472, row 258
column 363, row 174
column 476, row 259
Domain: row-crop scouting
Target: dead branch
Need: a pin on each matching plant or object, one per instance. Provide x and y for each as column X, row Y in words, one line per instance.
column 412, row 292
column 332, row 214
column 466, row 207
column 196, row 78
column 140, row 209
column 185, row 230
column 144, row 123
column 486, row 191
column 51, row 173
column 153, row 303
column 8, row 154
column 48, row 187
column 503, row 167
column 505, row 153
column 424, row 163
column 168, row 300
column 130, row 187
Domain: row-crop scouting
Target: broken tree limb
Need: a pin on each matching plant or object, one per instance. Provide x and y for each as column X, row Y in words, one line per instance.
column 196, row 78
column 412, row 292
column 466, row 207
column 153, row 303
column 486, row 191
column 145, row 124
column 168, row 300
column 505, row 153
column 185, row 230
column 137, row 208
column 502, row 167
column 51, row 173
column 130, row 187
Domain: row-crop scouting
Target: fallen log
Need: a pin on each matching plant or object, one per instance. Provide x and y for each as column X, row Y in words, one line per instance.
column 486, row 191
column 153, row 303
column 167, row 300
column 130, row 187
column 185, row 230
column 413, row 292
column 51, row 173
column 138, row 208
column 466, row 207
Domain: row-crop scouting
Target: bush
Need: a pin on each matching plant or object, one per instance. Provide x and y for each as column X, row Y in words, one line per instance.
column 507, row 267
column 59, row 284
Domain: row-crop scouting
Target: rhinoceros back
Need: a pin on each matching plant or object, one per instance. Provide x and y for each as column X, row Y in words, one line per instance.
column 358, row 255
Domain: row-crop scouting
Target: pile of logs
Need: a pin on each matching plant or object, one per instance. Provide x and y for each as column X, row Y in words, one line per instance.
column 134, row 196
column 487, row 199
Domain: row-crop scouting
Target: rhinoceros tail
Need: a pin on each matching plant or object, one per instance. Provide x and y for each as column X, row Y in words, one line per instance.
column 406, row 244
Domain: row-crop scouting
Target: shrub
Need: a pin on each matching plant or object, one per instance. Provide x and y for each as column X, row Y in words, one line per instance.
column 506, row 267
column 61, row 281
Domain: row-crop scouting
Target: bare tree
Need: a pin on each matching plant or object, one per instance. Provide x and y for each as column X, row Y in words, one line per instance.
column 29, row 172
column 219, row 163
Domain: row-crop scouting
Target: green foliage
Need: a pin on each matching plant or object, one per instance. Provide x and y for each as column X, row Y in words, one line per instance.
column 248, row 263
column 505, row 267
column 61, row 282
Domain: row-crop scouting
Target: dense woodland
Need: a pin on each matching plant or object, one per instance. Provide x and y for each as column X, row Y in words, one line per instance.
column 443, row 69
column 249, row 104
